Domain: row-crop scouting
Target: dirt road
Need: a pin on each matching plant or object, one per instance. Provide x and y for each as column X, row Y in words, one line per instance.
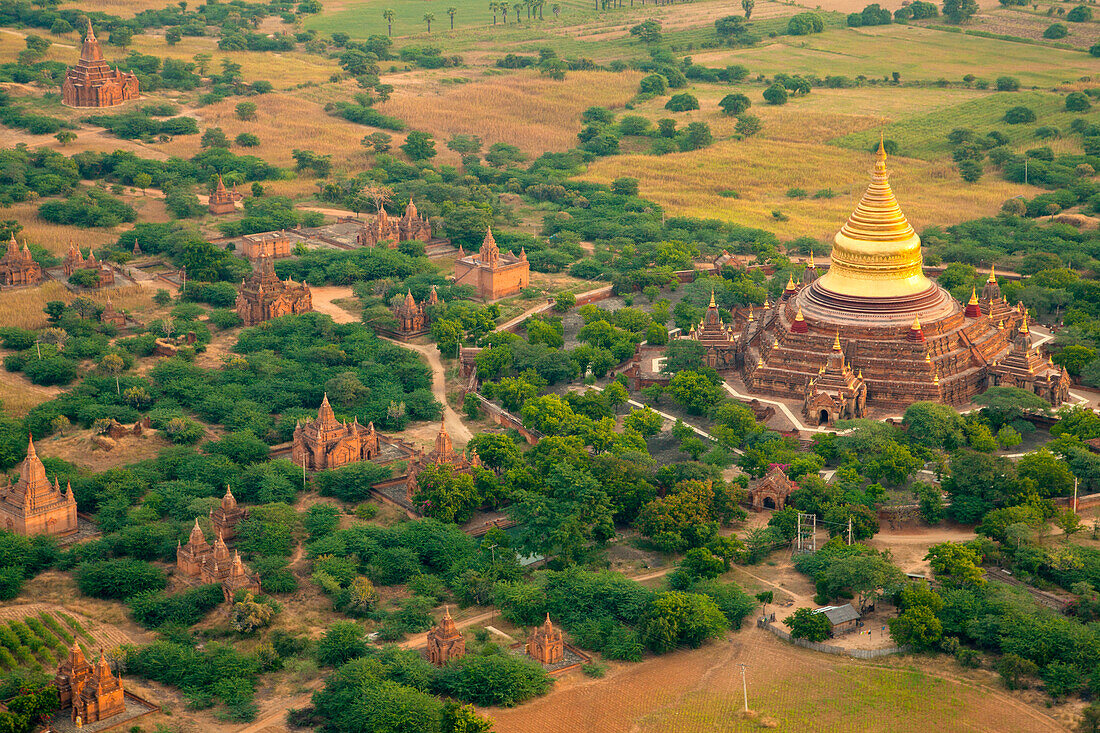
column 323, row 298
column 455, row 427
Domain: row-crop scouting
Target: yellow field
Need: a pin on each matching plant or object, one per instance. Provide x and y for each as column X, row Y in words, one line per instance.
column 762, row 170
column 524, row 109
column 54, row 237
column 23, row 307
column 121, row 8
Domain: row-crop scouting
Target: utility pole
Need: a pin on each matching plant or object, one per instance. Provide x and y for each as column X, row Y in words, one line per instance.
column 849, row 530
column 1074, row 494
column 744, row 687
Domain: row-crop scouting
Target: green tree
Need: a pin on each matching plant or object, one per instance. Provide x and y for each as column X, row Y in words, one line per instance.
column 389, row 15
column 428, row 18
column 246, row 110
column 446, row 495
column 805, row 624
column 748, row 6
column 867, row 576
column 955, row 565
column 342, row 642
column 419, row 146
column 734, row 104
column 676, row 617
column 775, row 94
column 959, row 11
column 917, row 628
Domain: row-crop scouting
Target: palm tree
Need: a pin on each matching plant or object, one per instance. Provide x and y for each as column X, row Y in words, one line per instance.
column 748, row 5
column 428, row 18
column 493, row 10
column 539, row 4
column 517, row 7
column 504, row 11
column 556, row 9
column 451, row 12
column 388, row 15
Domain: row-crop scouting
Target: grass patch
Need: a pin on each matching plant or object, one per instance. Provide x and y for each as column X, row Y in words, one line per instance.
column 925, row 136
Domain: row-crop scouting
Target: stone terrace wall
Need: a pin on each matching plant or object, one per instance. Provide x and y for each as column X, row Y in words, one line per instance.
column 505, row 419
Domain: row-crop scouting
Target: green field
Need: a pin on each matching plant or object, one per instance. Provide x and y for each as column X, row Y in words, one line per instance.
column 916, row 53
column 33, row 643
column 925, row 136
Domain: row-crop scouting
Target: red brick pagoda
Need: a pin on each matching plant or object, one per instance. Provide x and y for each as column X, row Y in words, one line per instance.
column 264, row 296
column 326, row 442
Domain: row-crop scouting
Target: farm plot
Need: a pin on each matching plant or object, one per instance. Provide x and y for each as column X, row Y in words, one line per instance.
column 37, row 641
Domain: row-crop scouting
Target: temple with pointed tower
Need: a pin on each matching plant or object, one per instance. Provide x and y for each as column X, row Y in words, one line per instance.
column 413, row 317
column 73, row 260
column 874, row 330
column 223, row 200
column 263, row 296
column 718, row 339
column 33, row 506
column 326, row 442
column 390, row 230
column 17, row 266
column 190, row 557
column 445, row 641
column 93, row 83
column 92, row 692
column 227, row 515
column 442, row 454
column 110, row 315
column 214, row 564
column 494, row 274
column 546, row 645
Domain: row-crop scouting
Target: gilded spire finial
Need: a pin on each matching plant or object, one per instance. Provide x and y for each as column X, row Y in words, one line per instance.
column 712, row 303
column 992, row 274
column 811, row 265
column 836, row 342
column 790, row 282
column 750, row 312
column 916, row 323
column 973, row 296
column 1001, row 325
column 798, row 316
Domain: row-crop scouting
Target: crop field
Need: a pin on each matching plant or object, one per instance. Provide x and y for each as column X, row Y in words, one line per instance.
column 1027, row 24
column 916, row 53
column 925, row 135
column 761, row 172
column 36, row 642
column 361, row 18
column 789, row 689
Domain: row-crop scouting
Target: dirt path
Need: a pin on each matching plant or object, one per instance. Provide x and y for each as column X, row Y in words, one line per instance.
column 323, row 298
column 457, row 429
column 418, row 640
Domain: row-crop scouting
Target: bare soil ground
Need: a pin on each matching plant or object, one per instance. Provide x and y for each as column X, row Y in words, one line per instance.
column 77, row 447
column 700, row 690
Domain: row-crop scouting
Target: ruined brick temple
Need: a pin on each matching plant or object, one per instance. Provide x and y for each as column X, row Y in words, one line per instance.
column 494, row 274
column 874, row 330
column 92, row 692
column 93, row 83
column 227, row 515
column 326, row 442
column 33, row 506
column 17, row 266
column 263, row 296
column 392, row 229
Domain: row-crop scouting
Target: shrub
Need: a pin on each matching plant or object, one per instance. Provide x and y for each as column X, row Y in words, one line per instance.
column 1079, row 14
column 682, row 103
column 494, row 679
column 654, row 85
column 1077, row 101
column 1019, row 115
column 1056, row 30
column 775, row 94
column 734, row 104
column 1007, row 84
column 804, row 24
column 121, row 578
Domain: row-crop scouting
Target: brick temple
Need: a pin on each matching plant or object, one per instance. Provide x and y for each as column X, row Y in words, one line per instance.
column 326, row 442
column 93, row 83
column 494, row 274
column 227, row 515
column 413, row 318
column 112, row 316
column 391, row 230
column 263, row 296
column 874, row 330
column 546, row 645
column 442, row 454
column 91, row 692
column 213, row 564
column 222, row 200
column 33, row 506
column 445, row 641
column 17, row 266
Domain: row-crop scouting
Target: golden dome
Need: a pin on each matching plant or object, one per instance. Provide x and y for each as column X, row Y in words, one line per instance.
column 876, row 253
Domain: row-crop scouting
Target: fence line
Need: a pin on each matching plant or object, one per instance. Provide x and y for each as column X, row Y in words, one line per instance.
column 829, row 648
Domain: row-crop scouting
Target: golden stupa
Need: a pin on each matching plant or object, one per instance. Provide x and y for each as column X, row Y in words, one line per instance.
column 892, row 335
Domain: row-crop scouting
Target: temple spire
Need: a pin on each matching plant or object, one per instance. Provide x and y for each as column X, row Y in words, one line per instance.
column 712, row 303
column 992, row 274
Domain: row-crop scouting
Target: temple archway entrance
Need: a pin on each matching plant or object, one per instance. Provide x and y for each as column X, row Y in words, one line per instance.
column 769, row 503
column 823, row 418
